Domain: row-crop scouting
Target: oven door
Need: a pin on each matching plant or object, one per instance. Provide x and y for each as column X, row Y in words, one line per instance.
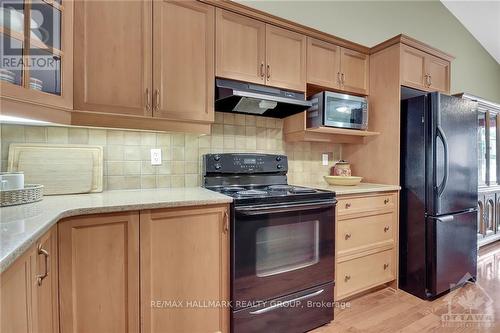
column 346, row 111
column 281, row 249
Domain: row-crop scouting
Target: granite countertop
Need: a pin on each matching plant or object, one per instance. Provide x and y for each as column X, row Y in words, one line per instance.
column 357, row 189
column 21, row 226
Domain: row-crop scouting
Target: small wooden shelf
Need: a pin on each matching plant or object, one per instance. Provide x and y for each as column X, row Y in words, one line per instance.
column 295, row 130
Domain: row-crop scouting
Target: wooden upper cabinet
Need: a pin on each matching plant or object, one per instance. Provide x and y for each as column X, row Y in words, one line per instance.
column 335, row 67
column 99, row 273
column 240, row 47
column 438, row 71
column 285, row 58
column 413, row 72
column 185, row 257
column 183, row 58
column 423, row 71
column 354, row 69
column 323, row 63
column 112, row 70
column 37, row 63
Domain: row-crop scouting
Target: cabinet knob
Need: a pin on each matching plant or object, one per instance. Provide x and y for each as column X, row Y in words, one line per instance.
column 268, row 72
column 343, row 78
column 347, row 236
column 347, row 205
column 262, row 69
column 347, row 278
column 386, row 266
column 386, row 228
column 386, row 201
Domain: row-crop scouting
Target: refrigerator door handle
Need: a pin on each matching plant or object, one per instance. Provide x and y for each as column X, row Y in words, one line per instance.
column 442, row 137
column 445, row 219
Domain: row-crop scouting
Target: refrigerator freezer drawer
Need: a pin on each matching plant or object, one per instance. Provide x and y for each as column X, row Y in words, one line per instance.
column 299, row 312
column 452, row 250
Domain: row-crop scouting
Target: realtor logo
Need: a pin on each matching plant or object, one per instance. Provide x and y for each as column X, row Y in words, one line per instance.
column 469, row 306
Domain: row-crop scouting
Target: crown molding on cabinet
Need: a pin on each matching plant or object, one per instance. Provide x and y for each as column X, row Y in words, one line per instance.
column 286, row 24
column 410, row 41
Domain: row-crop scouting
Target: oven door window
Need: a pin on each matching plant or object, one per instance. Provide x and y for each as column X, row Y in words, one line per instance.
column 343, row 112
column 284, row 248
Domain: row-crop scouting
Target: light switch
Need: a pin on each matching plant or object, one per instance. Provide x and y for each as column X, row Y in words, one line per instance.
column 155, row 156
column 325, row 159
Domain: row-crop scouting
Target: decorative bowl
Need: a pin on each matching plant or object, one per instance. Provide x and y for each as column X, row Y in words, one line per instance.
column 343, row 180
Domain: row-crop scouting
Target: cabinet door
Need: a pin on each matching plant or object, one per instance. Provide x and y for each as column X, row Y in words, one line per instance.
column 240, row 47
column 113, row 70
column 285, row 58
column 16, row 286
column 413, row 69
column 184, row 42
column 354, row 69
column 438, row 71
column 323, row 63
column 37, row 63
column 184, row 257
column 99, row 273
column 46, row 307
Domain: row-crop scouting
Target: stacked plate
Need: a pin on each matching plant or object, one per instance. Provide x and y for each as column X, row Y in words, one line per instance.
column 8, row 76
column 36, row 84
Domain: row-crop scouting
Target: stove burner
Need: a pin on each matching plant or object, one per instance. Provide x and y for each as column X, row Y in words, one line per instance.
column 251, row 193
column 279, row 188
column 232, row 189
column 302, row 190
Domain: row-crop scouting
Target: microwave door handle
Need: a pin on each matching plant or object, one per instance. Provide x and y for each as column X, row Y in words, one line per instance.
column 261, row 210
column 287, row 303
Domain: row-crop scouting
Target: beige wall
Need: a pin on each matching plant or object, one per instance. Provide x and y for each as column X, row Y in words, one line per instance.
column 371, row 22
column 127, row 162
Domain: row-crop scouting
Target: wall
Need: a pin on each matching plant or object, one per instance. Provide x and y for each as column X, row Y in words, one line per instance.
column 371, row 22
column 127, row 153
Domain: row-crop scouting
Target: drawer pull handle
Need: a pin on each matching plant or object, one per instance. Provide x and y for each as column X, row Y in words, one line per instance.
column 347, row 278
column 347, row 236
column 386, row 228
column 347, row 205
column 386, row 201
column 386, row 266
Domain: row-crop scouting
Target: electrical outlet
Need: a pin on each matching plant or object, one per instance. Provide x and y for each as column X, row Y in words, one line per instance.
column 325, row 159
column 155, row 156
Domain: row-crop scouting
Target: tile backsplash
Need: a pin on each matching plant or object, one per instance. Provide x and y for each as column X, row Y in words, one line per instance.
column 127, row 163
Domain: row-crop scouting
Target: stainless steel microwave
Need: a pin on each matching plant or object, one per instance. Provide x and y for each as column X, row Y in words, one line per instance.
column 338, row 110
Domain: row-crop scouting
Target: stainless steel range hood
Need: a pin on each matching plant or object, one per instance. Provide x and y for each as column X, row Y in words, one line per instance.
column 249, row 98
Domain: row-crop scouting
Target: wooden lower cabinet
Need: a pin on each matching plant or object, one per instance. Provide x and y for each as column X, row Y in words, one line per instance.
column 356, row 275
column 16, row 285
column 184, row 259
column 99, row 273
column 366, row 242
column 29, row 291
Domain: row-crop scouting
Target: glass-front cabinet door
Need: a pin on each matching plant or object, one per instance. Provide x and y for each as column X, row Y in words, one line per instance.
column 36, row 51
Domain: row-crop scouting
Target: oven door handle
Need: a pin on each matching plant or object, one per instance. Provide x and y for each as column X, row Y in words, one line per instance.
column 261, row 210
column 286, row 303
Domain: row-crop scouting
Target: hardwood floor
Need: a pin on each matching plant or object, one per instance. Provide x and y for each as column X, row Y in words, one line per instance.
column 475, row 307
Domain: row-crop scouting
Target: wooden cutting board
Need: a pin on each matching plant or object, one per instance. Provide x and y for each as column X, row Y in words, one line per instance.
column 62, row 169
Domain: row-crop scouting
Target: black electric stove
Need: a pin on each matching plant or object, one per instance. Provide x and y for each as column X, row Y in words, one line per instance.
column 282, row 244
column 255, row 179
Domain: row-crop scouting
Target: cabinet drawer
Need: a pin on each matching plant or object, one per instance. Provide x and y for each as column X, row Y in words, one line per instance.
column 360, row 274
column 355, row 205
column 363, row 233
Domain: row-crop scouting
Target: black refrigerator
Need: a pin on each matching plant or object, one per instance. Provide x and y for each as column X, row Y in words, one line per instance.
column 438, row 216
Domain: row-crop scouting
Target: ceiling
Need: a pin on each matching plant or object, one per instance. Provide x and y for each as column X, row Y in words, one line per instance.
column 482, row 19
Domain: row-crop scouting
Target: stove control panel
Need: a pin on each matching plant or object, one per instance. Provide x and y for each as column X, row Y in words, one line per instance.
column 244, row 163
